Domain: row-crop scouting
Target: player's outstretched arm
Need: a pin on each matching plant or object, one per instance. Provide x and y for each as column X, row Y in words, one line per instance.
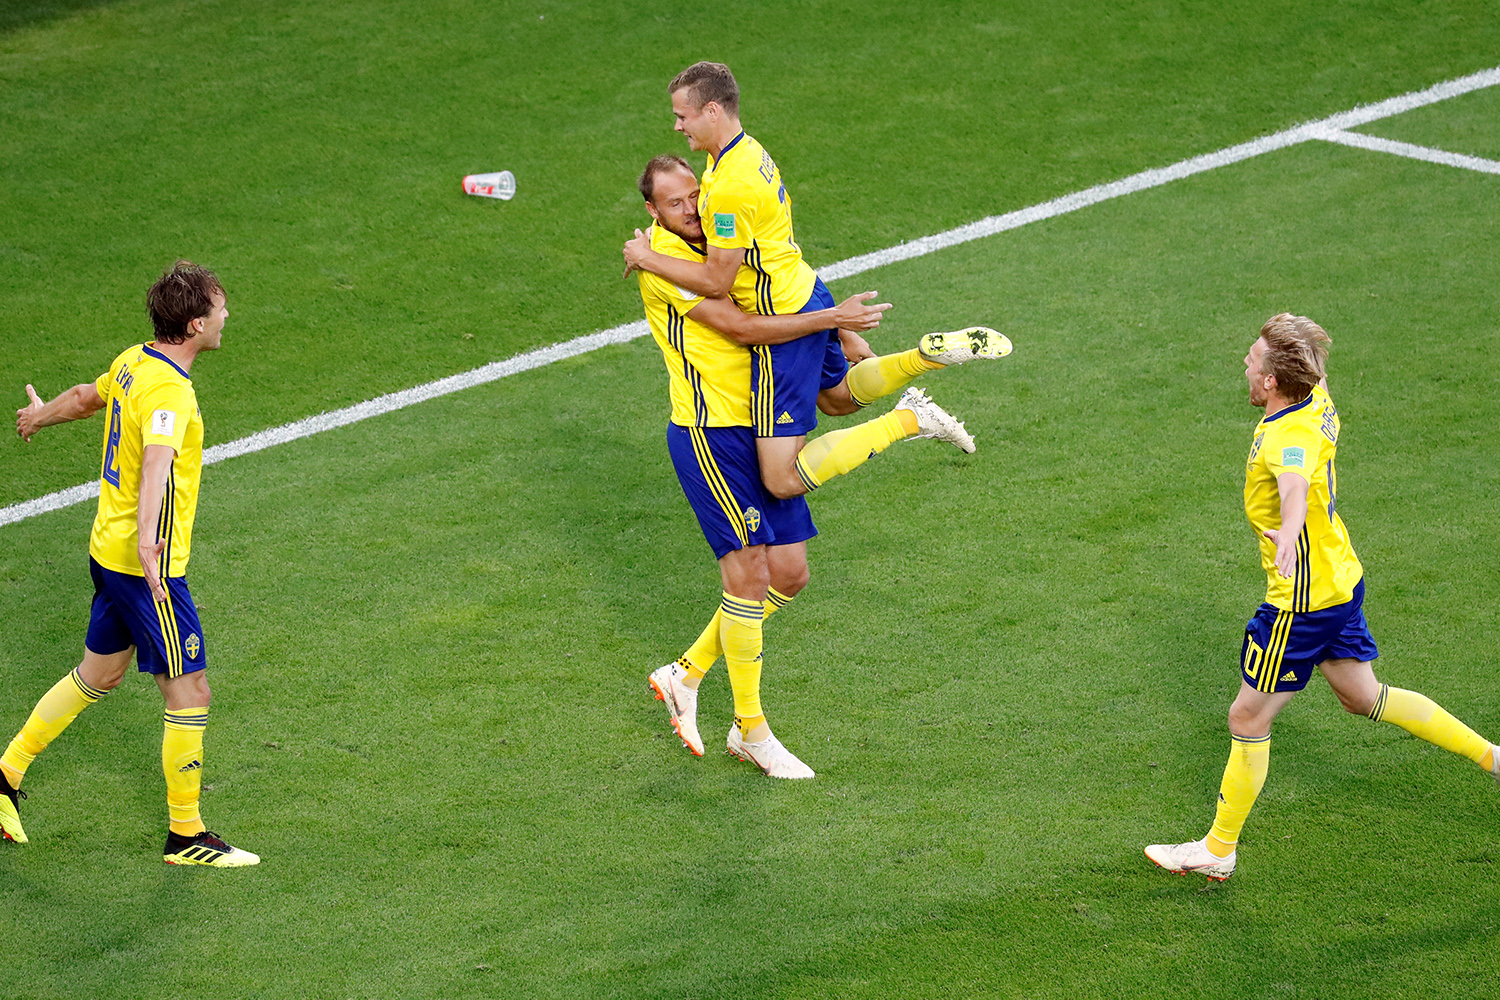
column 77, row 403
column 1293, row 489
column 713, row 277
column 854, row 313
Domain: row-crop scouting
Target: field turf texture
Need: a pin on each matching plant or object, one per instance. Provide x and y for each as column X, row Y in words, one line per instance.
column 429, row 632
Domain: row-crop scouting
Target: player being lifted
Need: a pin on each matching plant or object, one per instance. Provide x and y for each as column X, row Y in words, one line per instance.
column 138, row 554
column 753, row 258
column 1312, row 615
column 760, row 543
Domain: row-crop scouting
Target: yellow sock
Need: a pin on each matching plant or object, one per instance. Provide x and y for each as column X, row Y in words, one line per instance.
column 1244, row 777
column 51, row 716
column 703, row 654
column 876, row 377
column 741, row 632
column 182, row 763
column 1421, row 716
column 838, row 452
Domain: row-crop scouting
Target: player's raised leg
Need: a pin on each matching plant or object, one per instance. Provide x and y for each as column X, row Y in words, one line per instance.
column 1359, row 692
column 875, row 377
column 792, row 467
column 91, row 680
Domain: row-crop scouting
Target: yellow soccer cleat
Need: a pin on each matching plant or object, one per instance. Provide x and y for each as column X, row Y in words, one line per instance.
column 10, row 812
column 977, row 343
column 205, row 849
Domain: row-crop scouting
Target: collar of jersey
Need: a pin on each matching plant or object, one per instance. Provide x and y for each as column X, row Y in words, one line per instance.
column 673, row 236
column 1290, row 409
column 732, row 143
column 162, row 357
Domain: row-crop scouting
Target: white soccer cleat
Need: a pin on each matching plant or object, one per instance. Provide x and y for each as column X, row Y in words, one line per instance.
column 977, row 343
column 933, row 421
column 1495, row 761
column 773, row 759
column 682, row 703
column 1192, row 858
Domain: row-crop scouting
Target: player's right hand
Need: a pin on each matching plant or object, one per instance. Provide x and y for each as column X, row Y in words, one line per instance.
column 24, row 427
column 150, row 555
column 855, row 312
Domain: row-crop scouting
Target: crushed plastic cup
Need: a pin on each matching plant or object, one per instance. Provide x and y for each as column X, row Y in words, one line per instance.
column 500, row 185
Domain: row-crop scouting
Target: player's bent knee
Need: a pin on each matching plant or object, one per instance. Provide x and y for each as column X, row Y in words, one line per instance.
column 1246, row 721
column 790, row 583
column 785, row 489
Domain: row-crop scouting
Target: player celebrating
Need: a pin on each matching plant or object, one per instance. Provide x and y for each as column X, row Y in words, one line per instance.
column 752, row 257
column 1312, row 615
column 760, row 543
column 138, row 554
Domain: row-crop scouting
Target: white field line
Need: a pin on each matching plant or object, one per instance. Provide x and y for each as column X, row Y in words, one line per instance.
column 1320, row 129
column 1379, row 145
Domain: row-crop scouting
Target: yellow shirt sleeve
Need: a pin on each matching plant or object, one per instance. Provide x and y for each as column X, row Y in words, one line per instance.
column 659, row 288
column 164, row 414
column 102, row 384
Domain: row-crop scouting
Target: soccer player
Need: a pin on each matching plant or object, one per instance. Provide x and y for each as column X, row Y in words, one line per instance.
column 753, row 258
column 1312, row 615
column 760, row 542
column 138, row 554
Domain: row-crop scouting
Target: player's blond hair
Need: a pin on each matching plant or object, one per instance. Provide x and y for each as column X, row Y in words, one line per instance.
column 708, row 81
column 1296, row 353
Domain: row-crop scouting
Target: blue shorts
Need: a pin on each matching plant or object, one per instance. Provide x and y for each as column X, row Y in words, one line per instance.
column 785, row 379
column 1282, row 648
column 720, row 474
column 167, row 637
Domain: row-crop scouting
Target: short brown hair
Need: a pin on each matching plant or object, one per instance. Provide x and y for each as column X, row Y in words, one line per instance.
column 1296, row 353
column 659, row 164
column 708, row 81
column 185, row 292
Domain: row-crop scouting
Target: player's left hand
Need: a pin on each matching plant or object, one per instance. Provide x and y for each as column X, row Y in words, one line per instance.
column 636, row 251
column 855, row 347
column 1286, row 555
column 856, row 312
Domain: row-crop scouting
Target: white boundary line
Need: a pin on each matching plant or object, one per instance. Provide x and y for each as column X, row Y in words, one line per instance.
column 1325, row 128
column 1378, row 145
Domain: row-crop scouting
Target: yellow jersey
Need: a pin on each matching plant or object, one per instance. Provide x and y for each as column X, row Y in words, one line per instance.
column 708, row 374
column 1302, row 440
column 744, row 204
column 147, row 400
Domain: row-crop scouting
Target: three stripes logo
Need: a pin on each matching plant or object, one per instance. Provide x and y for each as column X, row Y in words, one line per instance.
column 200, row 853
column 1290, row 675
column 785, row 418
column 196, row 765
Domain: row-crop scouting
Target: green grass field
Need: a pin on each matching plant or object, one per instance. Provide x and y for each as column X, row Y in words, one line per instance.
column 430, row 631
